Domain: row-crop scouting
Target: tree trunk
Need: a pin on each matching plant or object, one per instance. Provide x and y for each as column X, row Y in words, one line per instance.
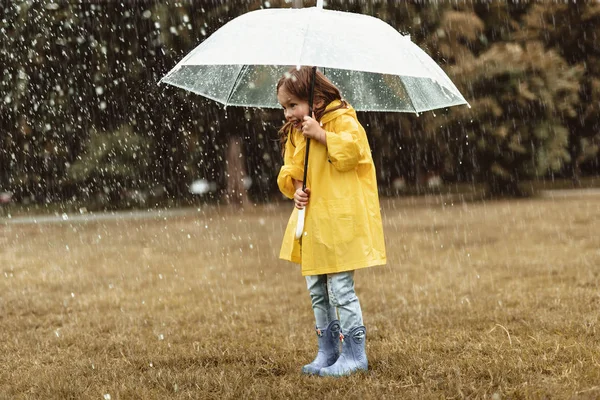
column 236, row 172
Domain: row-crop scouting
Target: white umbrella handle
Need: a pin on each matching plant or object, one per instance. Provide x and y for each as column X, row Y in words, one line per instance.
column 300, row 224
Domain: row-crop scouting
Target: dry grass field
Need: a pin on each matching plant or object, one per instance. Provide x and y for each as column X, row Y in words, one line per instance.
column 496, row 300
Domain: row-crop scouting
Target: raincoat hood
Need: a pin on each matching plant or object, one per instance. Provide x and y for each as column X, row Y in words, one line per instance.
column 331, row 115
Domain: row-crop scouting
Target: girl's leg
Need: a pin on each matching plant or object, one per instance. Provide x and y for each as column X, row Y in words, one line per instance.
column 327, row 326
column 343, row 297
column 319, row 295
column 353, row 357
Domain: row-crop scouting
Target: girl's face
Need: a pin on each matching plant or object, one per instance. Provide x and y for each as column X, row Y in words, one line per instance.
column 294, row 109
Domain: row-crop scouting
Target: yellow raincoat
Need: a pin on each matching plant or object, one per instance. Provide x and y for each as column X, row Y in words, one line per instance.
column 342, row 228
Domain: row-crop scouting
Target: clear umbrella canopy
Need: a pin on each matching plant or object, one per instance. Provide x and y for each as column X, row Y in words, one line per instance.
column 374, row 66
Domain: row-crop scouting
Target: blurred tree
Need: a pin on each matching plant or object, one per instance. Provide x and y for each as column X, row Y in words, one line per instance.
column 110, row 167
column 71, row 70
column 46, row 107
column 572, row 29
column 521, row 96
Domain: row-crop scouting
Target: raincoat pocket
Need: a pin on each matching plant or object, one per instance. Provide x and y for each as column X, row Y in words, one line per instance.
column 336, row 224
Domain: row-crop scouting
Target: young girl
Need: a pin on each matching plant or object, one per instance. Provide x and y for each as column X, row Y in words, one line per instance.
column 342, row 229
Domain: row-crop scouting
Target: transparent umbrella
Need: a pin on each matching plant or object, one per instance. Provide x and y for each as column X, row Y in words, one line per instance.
column 375, row 67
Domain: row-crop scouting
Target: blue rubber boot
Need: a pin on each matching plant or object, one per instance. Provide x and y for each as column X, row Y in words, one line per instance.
column 353, row 357
column 329, row 349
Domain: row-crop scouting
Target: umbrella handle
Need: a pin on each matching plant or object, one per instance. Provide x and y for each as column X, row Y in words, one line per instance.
column 300, row 223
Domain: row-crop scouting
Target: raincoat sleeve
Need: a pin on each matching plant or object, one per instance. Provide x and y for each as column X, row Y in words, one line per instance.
column 343, row 146
column 293, row 167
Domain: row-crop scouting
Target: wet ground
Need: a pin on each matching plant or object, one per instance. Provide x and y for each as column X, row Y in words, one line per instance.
column 478, row 298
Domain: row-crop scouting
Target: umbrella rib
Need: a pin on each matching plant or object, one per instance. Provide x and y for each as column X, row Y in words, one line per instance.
column 235, row 85
column 407, row 95
column 198, row 92
column 306, row 25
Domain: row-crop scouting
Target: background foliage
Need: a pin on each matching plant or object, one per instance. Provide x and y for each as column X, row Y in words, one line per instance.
column 82, row 118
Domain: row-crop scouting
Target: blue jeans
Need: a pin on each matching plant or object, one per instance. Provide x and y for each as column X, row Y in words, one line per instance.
column 335, row 292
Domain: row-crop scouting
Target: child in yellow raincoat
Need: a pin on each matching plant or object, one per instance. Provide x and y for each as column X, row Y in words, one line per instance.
column 342, row 230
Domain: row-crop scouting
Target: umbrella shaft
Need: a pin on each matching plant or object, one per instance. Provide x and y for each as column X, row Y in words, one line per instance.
column 305, row 164
column 310, row 114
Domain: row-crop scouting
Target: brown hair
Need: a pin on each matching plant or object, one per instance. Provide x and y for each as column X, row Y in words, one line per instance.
column 297, row 82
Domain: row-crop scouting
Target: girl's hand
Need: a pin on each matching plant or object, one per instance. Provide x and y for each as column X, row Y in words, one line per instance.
column 301, row 198
column 312, row 129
